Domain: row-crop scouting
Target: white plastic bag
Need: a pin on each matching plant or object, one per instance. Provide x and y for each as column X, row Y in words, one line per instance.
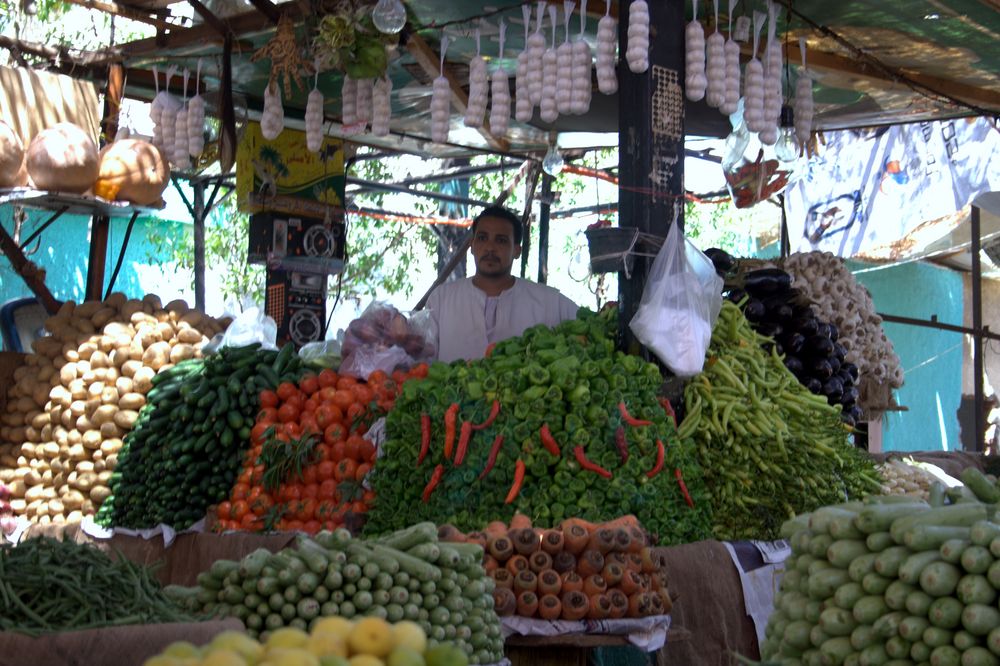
column 679, row 305
column 250, row 327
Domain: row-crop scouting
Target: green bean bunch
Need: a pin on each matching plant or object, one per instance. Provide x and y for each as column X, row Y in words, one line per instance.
column 768, row 447
column 49, row 586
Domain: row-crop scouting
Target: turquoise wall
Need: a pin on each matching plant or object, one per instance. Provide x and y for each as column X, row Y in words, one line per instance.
column 931, row 359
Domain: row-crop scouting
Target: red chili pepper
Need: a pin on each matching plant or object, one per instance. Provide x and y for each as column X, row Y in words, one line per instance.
column 463, row 442
column 629, row 419
column 489, row 349
column 622, row 444
column 492, row 459
column 515, row 488
column 425, row 437
column 548, row 441
column 494, row 412
column 684, row 488
column 669, row 409
column 581, row 458
column 450, row 419
column 432, row 484
column 660, row 453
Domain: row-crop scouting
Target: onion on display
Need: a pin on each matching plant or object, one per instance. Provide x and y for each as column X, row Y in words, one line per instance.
column 314, row 118
column 753, row 96
column 441, row 102
column 272, row 120
column 196, row 119
column 549, row 106
column 715, row 73
column 536, row 52
column 803, row 104
column 732, row 50
column 500, row 102
column 523, row 108
column 564, row 55
column 607, row 44
column 695, row 81
column 381, row 106
column 637, row 51
column 349, row 101
column 479, row 88
column 582, row 65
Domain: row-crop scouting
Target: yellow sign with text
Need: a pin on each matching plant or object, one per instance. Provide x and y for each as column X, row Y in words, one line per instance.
column 284, row 176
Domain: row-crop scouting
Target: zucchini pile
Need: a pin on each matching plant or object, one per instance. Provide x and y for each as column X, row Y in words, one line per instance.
column 186, row 448
column 407, row 575
column 894, row 581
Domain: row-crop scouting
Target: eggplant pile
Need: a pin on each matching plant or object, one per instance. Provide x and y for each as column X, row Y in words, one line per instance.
column 809, row 345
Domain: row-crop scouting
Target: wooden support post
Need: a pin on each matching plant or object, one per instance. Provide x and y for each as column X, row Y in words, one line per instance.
column 651, row 145
column 544, row 217
column 199, row 214
column 33, row 276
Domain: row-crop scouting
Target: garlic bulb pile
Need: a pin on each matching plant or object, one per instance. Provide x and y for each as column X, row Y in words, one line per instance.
column 381, row 106
column 500, row 89
column 582, row 64
column 715, row 72
column 637, row 52
column 349, row 101
column 364, row 103
column 695, row 81
column 753, row 95
column 536, row 53
column 272, row 119
column 479, row 89
column 196, row 120
column 314, row 121
column 564, row 54
column 732, row 50
column 523, row 109
column 548, row 105
column 803, row 105
column 607, row 43
column 773, row 97
column 839, row 299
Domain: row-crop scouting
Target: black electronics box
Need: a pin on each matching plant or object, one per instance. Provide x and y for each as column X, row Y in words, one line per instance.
column 297, row 244
column 297, row 303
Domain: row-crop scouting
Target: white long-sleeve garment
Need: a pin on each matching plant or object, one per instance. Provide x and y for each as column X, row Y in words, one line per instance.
column 459, row 310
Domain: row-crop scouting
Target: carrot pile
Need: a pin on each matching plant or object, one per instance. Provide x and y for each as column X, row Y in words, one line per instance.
column 579, row 570
column 308, row 458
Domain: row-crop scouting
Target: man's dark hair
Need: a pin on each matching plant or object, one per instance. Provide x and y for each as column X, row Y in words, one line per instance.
column 503, row 214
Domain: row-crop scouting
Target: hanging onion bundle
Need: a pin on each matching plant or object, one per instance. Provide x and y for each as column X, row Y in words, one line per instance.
column 349, row 101
column 607, row 43
column 732, row 50
column 637, row 53
column 500, row 103
column 536, row 52
column 479, row 88
column 564, row 81
column 582, row 64
column 550, row 76
column 753, row 103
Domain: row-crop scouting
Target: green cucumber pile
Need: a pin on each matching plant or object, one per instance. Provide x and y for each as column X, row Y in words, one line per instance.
column 186, row 448
column 769, row 448
column 408, row 575
column 893, row 581
column 553, row 424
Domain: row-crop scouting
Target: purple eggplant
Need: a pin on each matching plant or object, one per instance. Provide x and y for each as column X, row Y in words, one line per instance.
column 807, row 326
column 754, row 311
column 851, row 370
column 794, row 342
column 820, row 346
column 722, row 260
column 834, row 331
column 839, row 350
column 814, row 385
column 820, row 369
column 766, row 281
column 833, row 389
column 823, row 330
column 794, row 364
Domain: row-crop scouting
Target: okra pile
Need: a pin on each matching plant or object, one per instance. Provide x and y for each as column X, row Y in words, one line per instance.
column 893, row 580
column 554, row 424
column 186, row 448
column 769, row 448
column 408, row 575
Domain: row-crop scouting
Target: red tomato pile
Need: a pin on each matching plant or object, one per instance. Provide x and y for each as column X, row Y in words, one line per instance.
column 335, row 413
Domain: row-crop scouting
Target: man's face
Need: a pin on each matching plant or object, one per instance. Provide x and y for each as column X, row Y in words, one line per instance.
column 493, row 247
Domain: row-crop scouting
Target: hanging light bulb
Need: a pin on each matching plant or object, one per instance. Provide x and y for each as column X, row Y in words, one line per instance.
column 389, row 16
column 553, row 162
column 787, row 147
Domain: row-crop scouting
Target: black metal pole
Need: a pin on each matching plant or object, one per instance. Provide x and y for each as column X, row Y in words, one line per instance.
column 544, row 216
column 198, row 185
column 977, row 335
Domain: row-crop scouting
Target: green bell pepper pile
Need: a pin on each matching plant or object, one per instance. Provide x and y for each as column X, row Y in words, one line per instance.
column 589, row 396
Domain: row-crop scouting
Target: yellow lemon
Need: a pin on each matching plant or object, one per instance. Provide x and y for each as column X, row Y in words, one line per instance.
column 182, row 649
column 409, row 634
column 222, row 658
column 326, row 643
column 287, row 637
column 365, row 660
column 292, row 657
column 371, row 635
column 238, row 642
column 337, row 626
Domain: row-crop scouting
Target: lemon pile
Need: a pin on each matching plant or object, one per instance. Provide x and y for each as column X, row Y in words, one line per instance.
column 333, row 641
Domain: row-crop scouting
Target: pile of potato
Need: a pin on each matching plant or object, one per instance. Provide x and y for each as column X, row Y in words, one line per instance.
column 80, row 392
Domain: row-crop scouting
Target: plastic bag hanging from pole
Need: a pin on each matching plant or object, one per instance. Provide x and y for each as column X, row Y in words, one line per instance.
column 679, row 305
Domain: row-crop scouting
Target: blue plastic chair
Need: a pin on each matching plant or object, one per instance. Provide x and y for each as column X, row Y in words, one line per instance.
column 22, row 321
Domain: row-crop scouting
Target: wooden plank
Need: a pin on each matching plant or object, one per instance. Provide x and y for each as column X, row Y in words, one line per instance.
column 197, row 36
column 33, row 276
column 430, row 62
column 268, row 9
column 115, row 9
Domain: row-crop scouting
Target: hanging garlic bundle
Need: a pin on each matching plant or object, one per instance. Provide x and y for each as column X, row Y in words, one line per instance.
column 694, row 66
column 732, row 50
column 536, row 53
column 523, row 109
column 803, row 105
column 549, row 107
column 564, row 55
column 637, row 52
column 479, row 88
column 773, row 97
column 349, row 101
column 607, row 42
column 582, row 64
column 180, row 156
column 441, row 102
column 314, row 116
column 364, row 103
column 500, row 104
column 381, row 106
column 753, row 102
column 196, row 119
column 168, row 117
column 715, row 94
column 272, row 119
